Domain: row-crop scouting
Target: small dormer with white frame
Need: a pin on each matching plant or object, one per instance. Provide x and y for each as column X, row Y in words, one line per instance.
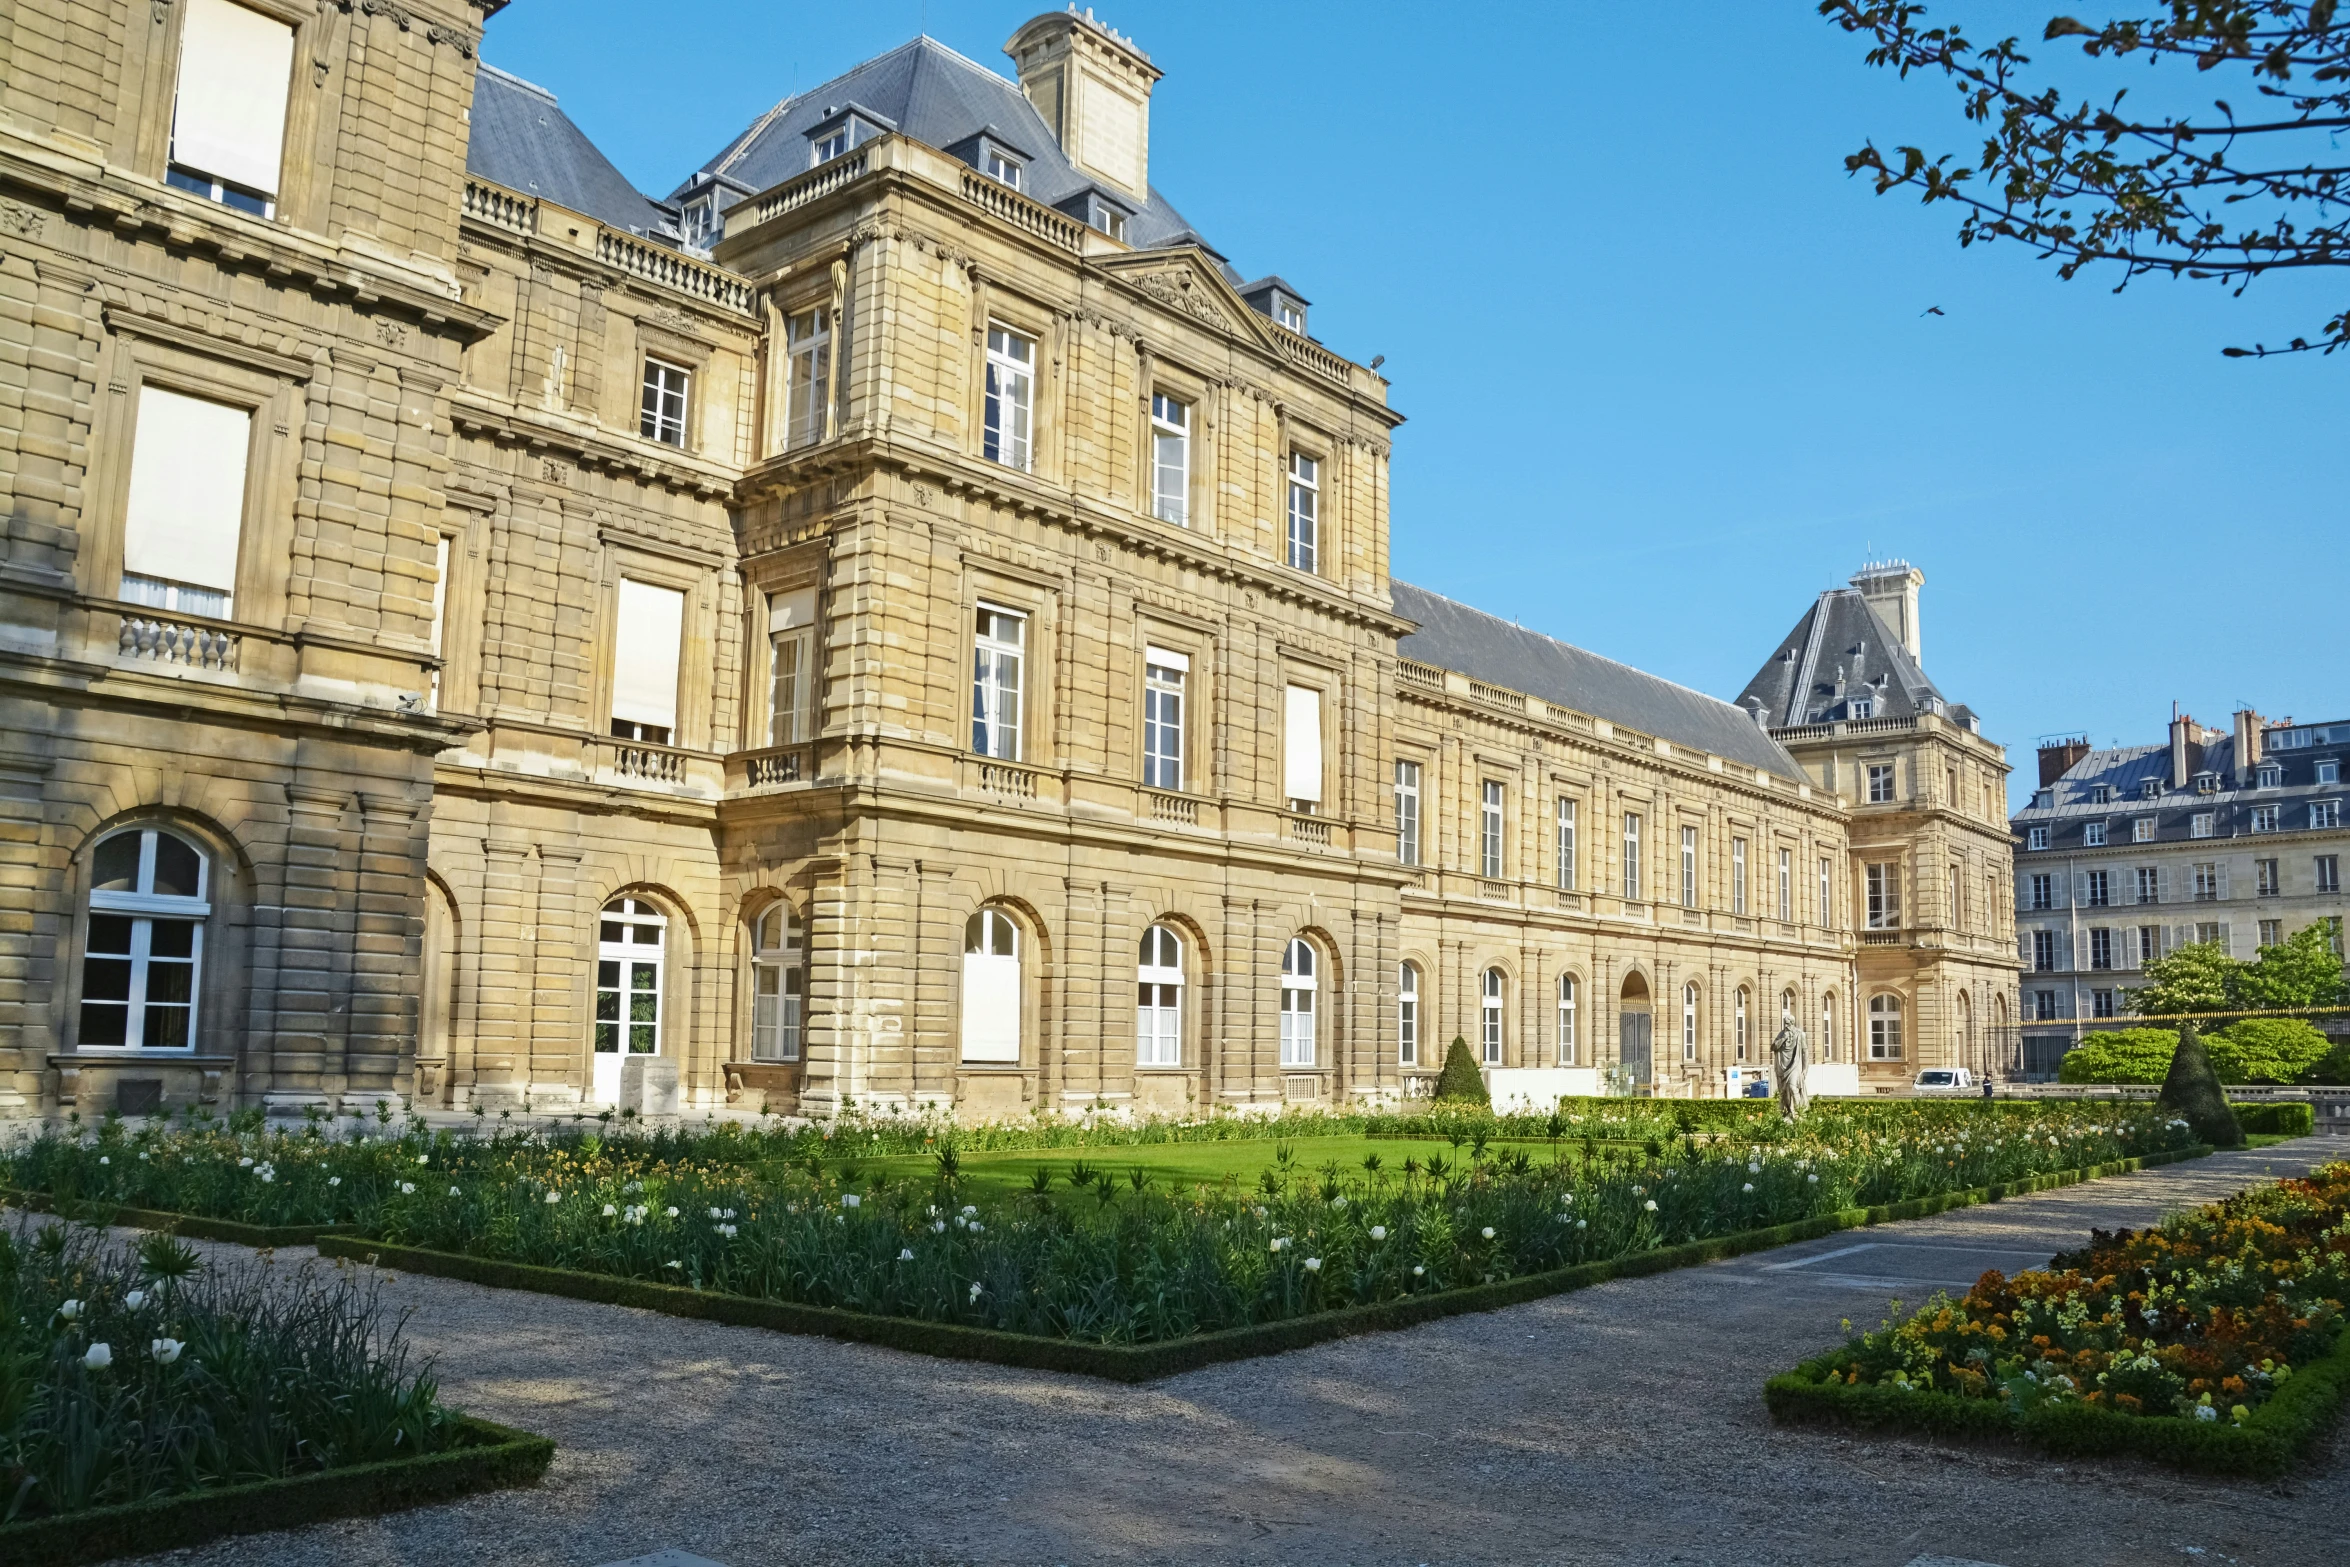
column 843, row 129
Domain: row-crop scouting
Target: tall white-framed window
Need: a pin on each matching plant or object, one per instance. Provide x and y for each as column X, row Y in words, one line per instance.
column 1828, row 1043
column 1738, row 1009
column 1883, row 880
column 1566, row 844
column 185, row 516
column 440, row 612
column 998, row 651
column 648, row 636
column 1158, row 1006
column 1305, row 510
column 1827, row 893
column 228, row 123
column 1011, row 398
column 661, row 413
column 2142, row 829
column 631, row 941
column 1489, row 824
column 808, row 339
column 778, row 984
column 791, row 640
column 1407, row 1014
column 1738, row 876
column 1632, row 855
column 1787, row 886
column 1163, row 676
column 144, row 951
column 2324, row 814
column 1407, row 812
column 1170, row 460
column 1298, row 962
column 2093, row 833
column 1880, row 782
column 1566, row 1020
column 1884, row 1027
column 1689, row 867
column 991, row 988
column 1489, row 1015
column 1689, row 1022
column 1301, row 748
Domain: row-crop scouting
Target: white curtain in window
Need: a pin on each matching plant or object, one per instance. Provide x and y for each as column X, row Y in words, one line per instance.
column 187, row 500
column 235, row 68
column 991, row 988
column 1301, row 770
column 645, row 648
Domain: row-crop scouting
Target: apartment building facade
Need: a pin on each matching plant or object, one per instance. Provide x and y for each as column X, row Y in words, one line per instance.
column 2228, row 836
column 900, row 621
column 1847, row 694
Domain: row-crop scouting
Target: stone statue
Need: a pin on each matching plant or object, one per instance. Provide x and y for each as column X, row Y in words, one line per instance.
column 1789, row 1051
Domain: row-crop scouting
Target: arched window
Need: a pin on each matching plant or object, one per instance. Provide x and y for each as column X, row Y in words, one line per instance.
column 779, row 985
column 145, row 950
column 1884, row 1028
column 1407, row 1014
column 1826, row 1049
column 1489, row 1015
column 1738, row 1021
column 631, row 939
column 1566, row 1041
column 1297, row 1003
column 1158, row 1015
column 1962, row 1036
column 991, row 987
column 1688, row 1022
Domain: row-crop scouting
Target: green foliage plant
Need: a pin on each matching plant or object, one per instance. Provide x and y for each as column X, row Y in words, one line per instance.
column 2300, row 971
column 2267, row 1050
column 2198, row 977
column 1460, row 1082
column 2191, row 1091
column 2124, row 1055
column 2333, row 1069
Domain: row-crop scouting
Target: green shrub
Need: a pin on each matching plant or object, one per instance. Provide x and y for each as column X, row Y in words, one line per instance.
column 2126, row 1055
column 2284, row 1118
column 2192, row 1092
column 2266, row 1050
column 2333, row 1069
column 1460, row 1079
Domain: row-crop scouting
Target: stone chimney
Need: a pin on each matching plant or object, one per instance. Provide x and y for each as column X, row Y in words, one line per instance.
column 2186, row 749
column 2249, row 729
column 2058, row 758
column 1093, row 89
column 1891, row 588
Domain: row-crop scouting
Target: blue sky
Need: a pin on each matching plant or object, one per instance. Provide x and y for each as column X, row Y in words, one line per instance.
column 1667, row 369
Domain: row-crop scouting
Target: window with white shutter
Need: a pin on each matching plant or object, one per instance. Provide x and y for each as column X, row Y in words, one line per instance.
column 791, row 637
column 187, row 503
column 647, row 637
column 991, row 988
column 228, row 120
column 1301, row 747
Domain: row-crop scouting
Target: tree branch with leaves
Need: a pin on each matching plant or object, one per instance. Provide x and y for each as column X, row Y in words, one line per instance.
column 2210, row 194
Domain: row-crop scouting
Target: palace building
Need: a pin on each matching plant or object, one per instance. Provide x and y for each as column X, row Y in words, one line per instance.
column 899, row 621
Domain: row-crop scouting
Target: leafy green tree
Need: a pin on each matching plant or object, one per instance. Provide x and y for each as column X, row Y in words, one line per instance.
column 1460, row 1080
column 2199, row 977
column 2208, row 193
column 2300, row 971
column 2191, row 1091
column 2267, row 1050
column 2125, row 1055
column 2334, row 1070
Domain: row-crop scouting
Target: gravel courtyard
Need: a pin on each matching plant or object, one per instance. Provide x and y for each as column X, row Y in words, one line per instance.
column 1619, row 1424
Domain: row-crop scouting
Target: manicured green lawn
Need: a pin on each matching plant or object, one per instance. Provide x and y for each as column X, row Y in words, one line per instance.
column 1180, row 1165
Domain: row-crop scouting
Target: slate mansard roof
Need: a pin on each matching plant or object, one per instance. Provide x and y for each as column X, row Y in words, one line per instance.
column 2109, row 786
column 927, row 91
column 520, row 139
column 1839, row 651
column 1485, row 647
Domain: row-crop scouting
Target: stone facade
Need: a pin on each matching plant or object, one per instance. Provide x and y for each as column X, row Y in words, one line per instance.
column 444, row 848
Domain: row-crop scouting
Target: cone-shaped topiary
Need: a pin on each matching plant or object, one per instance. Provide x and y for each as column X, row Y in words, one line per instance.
column 2192, row 1093
column 1460, row 1079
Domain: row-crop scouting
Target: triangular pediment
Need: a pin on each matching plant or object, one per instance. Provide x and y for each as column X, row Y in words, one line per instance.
column 1185, row 281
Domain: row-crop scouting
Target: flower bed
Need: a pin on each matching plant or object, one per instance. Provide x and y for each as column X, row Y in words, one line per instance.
column 2214, row 1340
column 148, row 1399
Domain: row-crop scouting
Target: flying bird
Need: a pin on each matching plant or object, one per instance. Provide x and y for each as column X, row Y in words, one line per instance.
column 1930, row 310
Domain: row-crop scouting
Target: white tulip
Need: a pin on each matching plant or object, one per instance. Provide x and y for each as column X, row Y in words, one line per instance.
column 99, row 1357
column 71, row 1310
column 166, row 1350
column 1378, row 1232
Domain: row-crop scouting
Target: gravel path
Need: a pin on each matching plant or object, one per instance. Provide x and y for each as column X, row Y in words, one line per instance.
column 1618, row 1424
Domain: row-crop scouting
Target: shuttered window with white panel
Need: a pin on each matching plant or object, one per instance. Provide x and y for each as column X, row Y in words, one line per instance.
column 186, row 509
column 646, row 641
column 791, row 634
column 229, row 119
column 1301, row 747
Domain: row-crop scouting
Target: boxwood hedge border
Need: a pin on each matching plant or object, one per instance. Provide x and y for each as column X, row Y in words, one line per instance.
column 2267, row 1445
column 192, row 1225
column 488, row 1457
column 1150, row 1362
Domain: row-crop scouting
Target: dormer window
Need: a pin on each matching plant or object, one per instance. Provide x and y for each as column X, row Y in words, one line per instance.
column 1108, row 219
column 829, row 145
column 700, row 222
column 1289, row 315
column 1273, row 297
column 842, row 130
column 2151, row 789
column 2207, row 783
column 2102, row 794
column 999, row 166
column 2272, row 777
column 2044, row 800
column 1864, row 707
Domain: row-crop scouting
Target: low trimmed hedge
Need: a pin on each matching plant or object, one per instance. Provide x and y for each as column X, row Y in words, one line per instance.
column 2277, row 1118
column 1149, row 1362
column 2266, row 1445
column 491, row 1457
column 194, row 1226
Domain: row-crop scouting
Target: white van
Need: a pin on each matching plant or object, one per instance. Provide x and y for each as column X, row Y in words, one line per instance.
column 1945, row 1080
